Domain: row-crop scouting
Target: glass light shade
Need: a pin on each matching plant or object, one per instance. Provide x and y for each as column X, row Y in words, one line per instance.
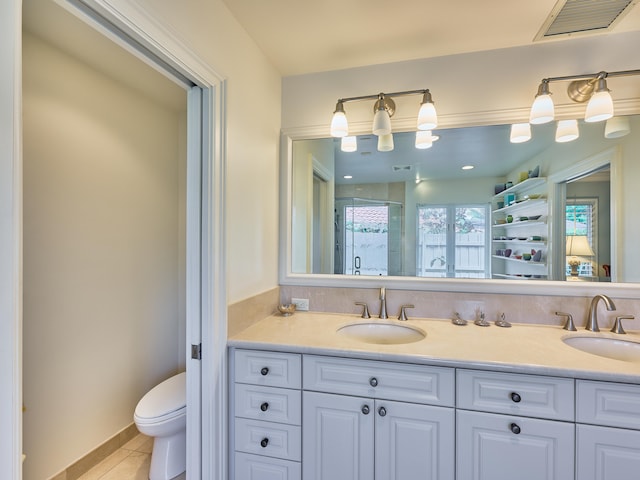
column 424, row 139
column 427, row 116
column 567, row 130
column 385, row 143
column 599, row 108
column 381, row 123
column 348, row 144
column 339, row 125
column 542, row 110
column 520, row 132
column 617, row 127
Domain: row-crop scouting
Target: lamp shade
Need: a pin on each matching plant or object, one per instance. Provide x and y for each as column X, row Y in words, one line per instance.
column 617, row 127
column 578, row 245
column 600, row 106
column 381, row 123
column 339, row 125
column 520, row 132
column 385, row 143
column 567, row 130
column 424, row 139
column 542, row 110
column 349, row 144
column 427, row 117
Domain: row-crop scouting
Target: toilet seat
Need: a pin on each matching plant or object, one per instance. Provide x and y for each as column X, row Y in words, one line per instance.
column 165, row 401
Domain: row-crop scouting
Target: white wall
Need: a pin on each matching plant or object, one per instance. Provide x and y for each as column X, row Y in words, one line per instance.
column 253, row 120
column 103, row 255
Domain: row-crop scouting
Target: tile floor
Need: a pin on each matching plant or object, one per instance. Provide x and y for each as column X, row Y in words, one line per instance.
column 130, row 462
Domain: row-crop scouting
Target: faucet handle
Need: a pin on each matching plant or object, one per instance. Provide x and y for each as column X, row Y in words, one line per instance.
column 617, row 325
column 365, row 310
column 403, row 313
column 569, row 325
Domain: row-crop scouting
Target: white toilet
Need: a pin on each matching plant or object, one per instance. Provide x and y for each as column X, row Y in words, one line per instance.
column 162, row 414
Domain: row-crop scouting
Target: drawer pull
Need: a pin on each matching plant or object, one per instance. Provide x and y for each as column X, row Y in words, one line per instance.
column 515, row 428
column 382, row 412
column 365, row 409
column 264, row 371
column 264, row 442
column 373, row 381
column 264, row 407
column 516, row 397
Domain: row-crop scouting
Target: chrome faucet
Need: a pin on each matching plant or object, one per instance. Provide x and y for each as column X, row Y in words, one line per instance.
column 592, row 319
column 383, row 303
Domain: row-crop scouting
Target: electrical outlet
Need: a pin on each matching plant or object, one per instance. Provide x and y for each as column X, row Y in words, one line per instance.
column 302, row 304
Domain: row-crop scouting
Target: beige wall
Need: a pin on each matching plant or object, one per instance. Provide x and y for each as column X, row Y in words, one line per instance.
column 253, row 121
column 103, row 255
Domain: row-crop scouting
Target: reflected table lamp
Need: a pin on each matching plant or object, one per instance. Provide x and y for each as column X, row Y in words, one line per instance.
column 577, row 246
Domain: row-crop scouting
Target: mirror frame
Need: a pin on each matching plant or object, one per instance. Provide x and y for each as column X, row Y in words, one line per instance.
column 456, row 285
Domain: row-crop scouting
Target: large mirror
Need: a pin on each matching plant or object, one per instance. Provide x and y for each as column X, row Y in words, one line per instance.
column 419, row 213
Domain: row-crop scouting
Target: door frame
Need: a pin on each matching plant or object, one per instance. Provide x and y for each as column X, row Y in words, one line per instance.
column 133, row 28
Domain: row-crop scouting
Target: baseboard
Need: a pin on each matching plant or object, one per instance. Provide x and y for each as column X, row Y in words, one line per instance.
column 95, row 456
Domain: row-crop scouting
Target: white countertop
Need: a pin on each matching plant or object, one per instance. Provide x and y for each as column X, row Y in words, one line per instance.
column 524, row 348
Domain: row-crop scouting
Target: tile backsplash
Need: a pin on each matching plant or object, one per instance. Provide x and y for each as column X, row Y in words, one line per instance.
column 533, row 309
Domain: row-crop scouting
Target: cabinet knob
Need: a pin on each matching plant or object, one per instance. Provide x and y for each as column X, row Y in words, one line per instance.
column 515, row 428
column 373, row 381
column 264, row 371
column 365, row 409
column 516, row 397
column 264, row 442
column 264, row 407
column 382, row 411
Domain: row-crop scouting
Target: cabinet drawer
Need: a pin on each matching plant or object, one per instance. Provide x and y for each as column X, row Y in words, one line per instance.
column 514, row 394
column 492, row 446
column 365, row 378
column 256, row 467
column 609, row 404
column 268, row 368
column 268, row 403
column 269, row 439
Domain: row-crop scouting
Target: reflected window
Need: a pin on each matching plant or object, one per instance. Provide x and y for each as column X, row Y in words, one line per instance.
column 581, row 217
column 452, row 241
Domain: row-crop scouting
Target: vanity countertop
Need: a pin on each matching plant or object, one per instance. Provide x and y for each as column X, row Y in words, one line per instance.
column 523, row 348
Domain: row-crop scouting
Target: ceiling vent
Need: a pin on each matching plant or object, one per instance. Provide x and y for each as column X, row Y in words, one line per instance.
column 402, row 168
column 570, row 17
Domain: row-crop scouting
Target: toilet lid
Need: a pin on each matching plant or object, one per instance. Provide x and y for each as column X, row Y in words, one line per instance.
column 167, row 397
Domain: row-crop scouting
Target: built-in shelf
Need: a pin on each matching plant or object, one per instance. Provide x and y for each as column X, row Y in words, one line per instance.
column 525, row 223
column 537, row 243
column 511, row 259
column 521, row 206
column 524, row 186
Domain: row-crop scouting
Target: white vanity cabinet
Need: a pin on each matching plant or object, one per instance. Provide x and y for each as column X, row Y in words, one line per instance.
column 366, row 420
column 514, row 426
column 608, row 430
column 267, row 415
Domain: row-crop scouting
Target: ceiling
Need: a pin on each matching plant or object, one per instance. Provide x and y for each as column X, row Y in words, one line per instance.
column 302, row 37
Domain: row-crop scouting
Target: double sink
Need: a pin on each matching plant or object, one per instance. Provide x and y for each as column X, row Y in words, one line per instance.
column 386, row 333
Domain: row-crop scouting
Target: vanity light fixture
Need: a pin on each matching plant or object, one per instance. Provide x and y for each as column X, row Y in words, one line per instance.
column 424, row 139
column 385, row 142
column 591, row 87
column 383, row 109
column 617, row 127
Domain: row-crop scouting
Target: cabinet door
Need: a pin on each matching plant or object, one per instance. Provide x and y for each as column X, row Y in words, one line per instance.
column 414, row 442
column 605, row 453
column 502, row 447
column 337, row 438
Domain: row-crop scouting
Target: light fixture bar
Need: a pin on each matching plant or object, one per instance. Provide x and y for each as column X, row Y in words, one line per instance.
column 377, row 95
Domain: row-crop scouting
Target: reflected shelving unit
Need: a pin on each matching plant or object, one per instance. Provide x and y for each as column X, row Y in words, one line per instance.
column 519, row 231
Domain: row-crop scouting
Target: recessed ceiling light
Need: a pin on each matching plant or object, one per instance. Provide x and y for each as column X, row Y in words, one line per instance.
column 348, row 177
column 468, row 167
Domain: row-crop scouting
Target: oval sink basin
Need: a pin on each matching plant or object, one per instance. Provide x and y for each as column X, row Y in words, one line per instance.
column 382, row 333
column 606, row 347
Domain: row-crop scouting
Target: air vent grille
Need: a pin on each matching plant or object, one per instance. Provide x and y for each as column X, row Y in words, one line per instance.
column 402, row 168
column 583, row 16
